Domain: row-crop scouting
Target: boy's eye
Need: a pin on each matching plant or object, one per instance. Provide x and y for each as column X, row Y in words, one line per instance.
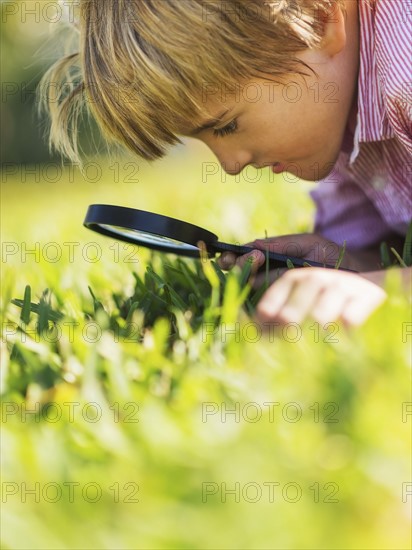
column 228, row 129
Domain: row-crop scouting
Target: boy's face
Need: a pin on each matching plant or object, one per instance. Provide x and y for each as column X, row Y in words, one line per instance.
column 297, row 126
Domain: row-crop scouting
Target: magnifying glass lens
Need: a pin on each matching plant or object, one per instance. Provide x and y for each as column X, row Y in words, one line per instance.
column 147, row 238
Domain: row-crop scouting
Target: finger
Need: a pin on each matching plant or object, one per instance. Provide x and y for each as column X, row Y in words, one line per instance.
column 329, row 307
column 292, row 297
column 274, row 299
column 227, row 260
column 357, row 310
column 300, row 301
column 256, row 258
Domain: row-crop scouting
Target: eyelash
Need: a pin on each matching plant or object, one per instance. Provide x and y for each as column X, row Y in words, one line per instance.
column 226, row 130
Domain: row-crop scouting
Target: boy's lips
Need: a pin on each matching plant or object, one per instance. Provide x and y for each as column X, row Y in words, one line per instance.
column 278, row 168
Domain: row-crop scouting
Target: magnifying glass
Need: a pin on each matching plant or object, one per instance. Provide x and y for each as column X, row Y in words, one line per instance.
column 169, row 235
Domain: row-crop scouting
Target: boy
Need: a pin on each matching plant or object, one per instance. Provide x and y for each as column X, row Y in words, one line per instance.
column 156, row 69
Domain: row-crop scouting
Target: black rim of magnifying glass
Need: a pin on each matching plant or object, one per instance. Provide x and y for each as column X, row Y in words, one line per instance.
column 113, row 221
column 110, row 220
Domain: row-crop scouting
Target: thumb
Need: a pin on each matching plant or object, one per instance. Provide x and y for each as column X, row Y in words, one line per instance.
column 226, row 260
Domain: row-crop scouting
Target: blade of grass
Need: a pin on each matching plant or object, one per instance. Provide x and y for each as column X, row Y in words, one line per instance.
column 219, row 273
column 385, row 256
column 54, row 316
column 245, row 273
column 397, row 256
column 341, row 256
column 175, row 298
column 189, row 277
column 267, row 263
column 26, row 308
column 130, row 313
column 213, row 302
column 139, row 283
column 155, row 277
column 256, row 296
column 407, row 247
column 151, row 301
column 97, row 305
column 194, row 302
column 44, row 308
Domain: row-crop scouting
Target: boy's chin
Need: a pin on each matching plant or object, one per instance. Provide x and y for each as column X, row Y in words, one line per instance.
column 310, row 173
column 312, row 168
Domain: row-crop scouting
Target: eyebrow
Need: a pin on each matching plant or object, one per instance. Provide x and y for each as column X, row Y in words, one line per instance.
column 211, row 122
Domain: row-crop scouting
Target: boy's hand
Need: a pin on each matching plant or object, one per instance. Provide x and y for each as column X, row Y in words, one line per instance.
column 325, row 295
column 308, row 245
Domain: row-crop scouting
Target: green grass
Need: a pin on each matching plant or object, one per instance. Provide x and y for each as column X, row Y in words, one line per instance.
column 115, row 383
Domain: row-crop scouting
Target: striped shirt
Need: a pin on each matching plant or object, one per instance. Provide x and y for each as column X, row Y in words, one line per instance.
column 368, row 195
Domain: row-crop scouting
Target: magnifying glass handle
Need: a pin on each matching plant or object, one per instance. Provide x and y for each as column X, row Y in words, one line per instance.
column 275, row 260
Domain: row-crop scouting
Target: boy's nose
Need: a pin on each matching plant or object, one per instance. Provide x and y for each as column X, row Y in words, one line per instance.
column 234, row 163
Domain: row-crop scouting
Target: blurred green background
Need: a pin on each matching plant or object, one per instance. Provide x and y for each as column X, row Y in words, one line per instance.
column 164, row 479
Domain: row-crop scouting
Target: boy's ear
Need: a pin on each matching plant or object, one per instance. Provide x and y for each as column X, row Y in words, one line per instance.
column 334, row 35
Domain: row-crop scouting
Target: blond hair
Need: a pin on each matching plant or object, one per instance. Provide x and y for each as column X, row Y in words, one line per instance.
column 141, row 65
